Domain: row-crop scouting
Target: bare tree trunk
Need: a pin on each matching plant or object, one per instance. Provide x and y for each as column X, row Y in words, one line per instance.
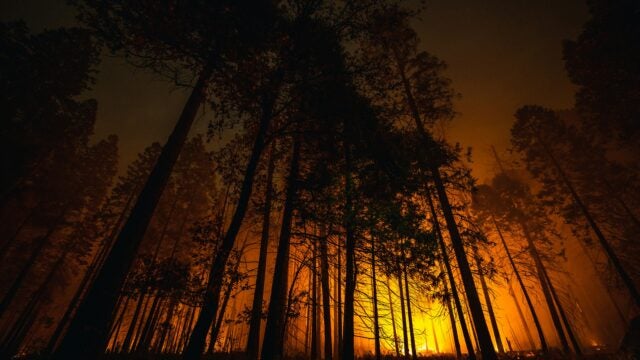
column 315, row 347
column 215, row 329
column 405, row 336
column 522, row 318
column 414, row 352
column 486, row 345
column 146, row 334
column 452, row 281
column 89, row 276
column 138, row 332
column 435, row 338
column 374, row 286
column 126, row 344
column 255, row 322
column 87, row 334
column 272, row 347
column 41, row 243
column 197, row 340
column 608, row 249
column 326, row 294
column 393, row 321
column 348, row 350
column 533, row 251
column 563, row 315
column 115, row 329
column 536, row 321
column 454, row 328
column 162, row 343
column 487, row 300
column 337, row 354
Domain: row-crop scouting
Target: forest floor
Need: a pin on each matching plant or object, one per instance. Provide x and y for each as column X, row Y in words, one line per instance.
column 240, row 356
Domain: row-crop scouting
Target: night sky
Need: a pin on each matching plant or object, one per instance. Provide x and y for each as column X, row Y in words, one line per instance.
column 501, row 54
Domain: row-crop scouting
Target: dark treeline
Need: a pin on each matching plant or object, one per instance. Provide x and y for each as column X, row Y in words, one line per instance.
column 323, row 214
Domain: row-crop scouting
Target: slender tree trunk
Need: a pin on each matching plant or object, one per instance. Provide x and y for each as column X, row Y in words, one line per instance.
column 87, row 334
column 536, row 321
column 41, row 243
column 326, row 294
column 348, row 350
column 533, row 251
column 272, row 347
column 163, row 344
column 314, row 304
column 197, row 340
column 115, row 329
column 563, row 315
column 608, row 249
column 145, row 336
column 393, row 321
column 414, row 352
column 338, row 354
column 215, row 329
column 486, row 345
column 128, row 339
column 435, row 338
column 29, row 313
column 487, row 300
column 405, row 336
column 452, row 281
column 521, row 314
column 138, row 333
column 88, row 276
column 255, row 322
column 454, row 328
column 374, row 286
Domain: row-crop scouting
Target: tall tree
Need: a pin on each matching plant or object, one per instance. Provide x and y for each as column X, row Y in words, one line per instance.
column 208, row 42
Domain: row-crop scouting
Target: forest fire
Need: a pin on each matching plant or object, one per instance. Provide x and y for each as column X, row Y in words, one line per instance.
column 306, row 195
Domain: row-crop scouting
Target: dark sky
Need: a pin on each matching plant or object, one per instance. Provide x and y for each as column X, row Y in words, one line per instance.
column 502, row 54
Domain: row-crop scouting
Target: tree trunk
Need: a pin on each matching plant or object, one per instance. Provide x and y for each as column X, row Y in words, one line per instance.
column 138, row 333
column 115, row 329
column 563, row 315
column 533, row 251
column 338, row 355
column 608, row 249
column 393, row 321
column 272, row 347
column 374, row 286
column 486, row 345
column 350, row 270
column 198, row 336
column 536, row 321
column 487, row 300
column 87, row 334
column 146, row 334
column 452, row 281
column 160, row 348
column 126, row 344
column 255, row 322
column 522, row 318
column 414, row 352
column 88, row 277
column 314, row 304
column 405, row 336
column 454, row 328
column 215, row 330
column 326, row 294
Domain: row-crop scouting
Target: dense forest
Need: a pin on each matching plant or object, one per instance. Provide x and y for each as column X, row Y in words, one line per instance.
column 323, row 213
